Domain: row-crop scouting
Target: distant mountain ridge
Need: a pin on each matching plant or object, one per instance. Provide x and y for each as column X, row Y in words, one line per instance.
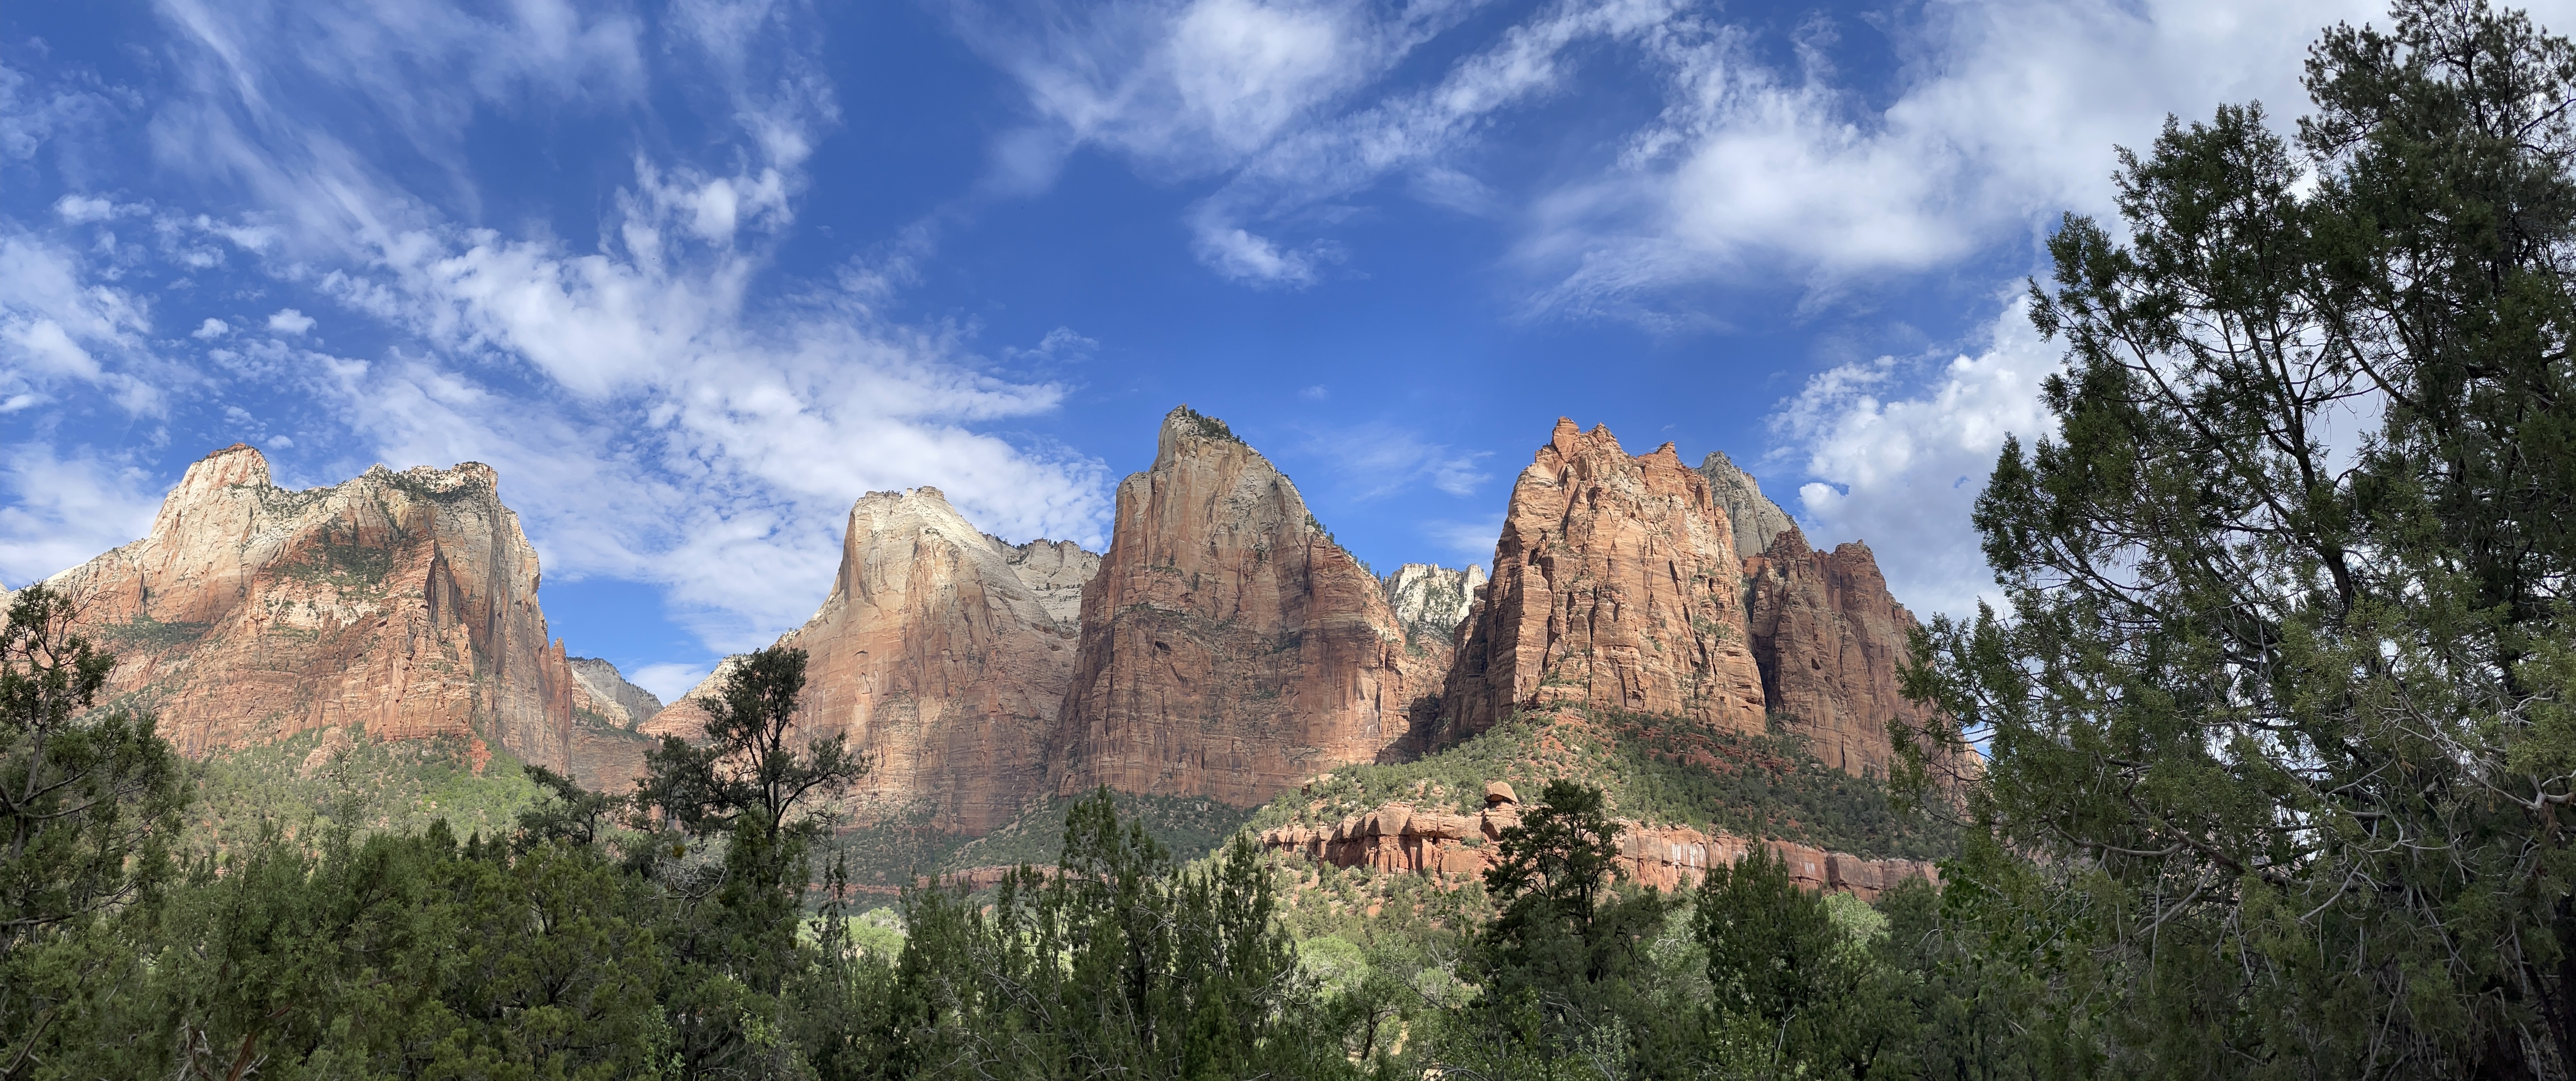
column 1224, row 648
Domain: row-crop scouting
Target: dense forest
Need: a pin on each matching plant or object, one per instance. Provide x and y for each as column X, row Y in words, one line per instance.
column 2278, row 737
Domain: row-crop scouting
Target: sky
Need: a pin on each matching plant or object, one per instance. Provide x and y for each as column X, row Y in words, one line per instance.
column 693, row 276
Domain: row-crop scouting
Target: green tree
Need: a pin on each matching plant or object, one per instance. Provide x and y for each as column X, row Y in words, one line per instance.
column 2281, row 705
column 1564, row 968
column 1118, row 963
column 737, row 821
column 89, row 807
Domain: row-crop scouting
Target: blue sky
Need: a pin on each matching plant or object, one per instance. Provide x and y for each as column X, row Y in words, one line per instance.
column 695, row 275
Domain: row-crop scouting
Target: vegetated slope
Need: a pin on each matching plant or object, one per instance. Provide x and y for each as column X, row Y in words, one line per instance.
column 324, row 780
column 1657, row 771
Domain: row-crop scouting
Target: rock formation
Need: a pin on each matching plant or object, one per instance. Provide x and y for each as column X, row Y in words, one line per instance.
column 600, row 690
column 405, row 603
column 1229, row 648
column 1755, row 517
column 1829, row 639
column 1402, row 837
column 1616, row 586
column 1430, row 601
column 942, row 653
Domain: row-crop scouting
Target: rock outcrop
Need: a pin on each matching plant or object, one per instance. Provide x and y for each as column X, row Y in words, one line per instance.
column 1830, row 638
column 1616, row 586
column 1431, row 601
column 941, row 655
column 405, row 603
column 1755, row 518
column 1402, row 837
column 600, row 690
column 1229, row 647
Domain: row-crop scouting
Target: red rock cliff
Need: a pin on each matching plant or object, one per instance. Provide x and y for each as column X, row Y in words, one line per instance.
column 1830, row 638
column 403, row 602
column 938, row 656
column 1615, row 586
column 1229, row 648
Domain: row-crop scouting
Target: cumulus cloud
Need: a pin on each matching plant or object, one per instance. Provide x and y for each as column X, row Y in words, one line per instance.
column 288, row 321
column 211, row 329
column 1900, row 449
column 2006, row 116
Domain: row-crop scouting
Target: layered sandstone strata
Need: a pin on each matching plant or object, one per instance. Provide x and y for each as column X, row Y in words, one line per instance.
column 1830, row 640
column 1616, row 586
column 1753, row 516
column 1229, row 648
column 601, row 691
column 1431, row 601
column 404, row 603
column 943, row 654
column 1402, row 837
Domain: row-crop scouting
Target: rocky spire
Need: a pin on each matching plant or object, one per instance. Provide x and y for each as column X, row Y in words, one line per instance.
column 1615, row 587
column 1229, row 647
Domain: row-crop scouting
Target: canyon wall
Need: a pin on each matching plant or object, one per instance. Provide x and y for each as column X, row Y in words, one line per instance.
column 1431, row 601
column 600, row 690
column 1616, row 586
column 1830, row 638
column 405, row 603
column 1402, row 837
column 1229, row 648
column 1754, row 518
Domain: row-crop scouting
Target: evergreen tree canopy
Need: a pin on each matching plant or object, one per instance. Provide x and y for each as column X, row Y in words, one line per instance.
column 2281, row 701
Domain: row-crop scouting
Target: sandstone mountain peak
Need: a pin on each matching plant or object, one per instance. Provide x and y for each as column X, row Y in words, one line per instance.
column 1229, row 646
column 601, row 691
column 1615, row 587
column 1756, row 517
column 942, row 653
column 1430, row 600
column 1830, row 639
column 402, row 603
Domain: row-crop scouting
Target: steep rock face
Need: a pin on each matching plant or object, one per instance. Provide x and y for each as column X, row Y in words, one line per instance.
column 1830, row 638
column 1401, row 837
column 1755, row 517
column 1430, row 601
column 939, row 654
column 1615, row 587
column 403, row 602
column 1229, row 648
column 600, row 689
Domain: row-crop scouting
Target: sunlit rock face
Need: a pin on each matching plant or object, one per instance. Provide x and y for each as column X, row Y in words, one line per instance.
column 1431, row 601
column 1616, row 586
column 600, row 690
column 1754, row 518
column 404, row 604
column 1830, row 640
column 1229, row 648
column 942, row 654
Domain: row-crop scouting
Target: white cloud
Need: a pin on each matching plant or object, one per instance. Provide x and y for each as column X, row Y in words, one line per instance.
column 211, row 329
column 1380, row 459
column 669, row 681
column 60, row 512
column 1473, row 540
column 1900, row 450
column 78, row 209
column 56, row 324
column 2005, row 116
column 288, row 321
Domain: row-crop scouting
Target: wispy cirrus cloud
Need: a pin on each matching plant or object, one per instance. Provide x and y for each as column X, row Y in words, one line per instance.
column 662, row 408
